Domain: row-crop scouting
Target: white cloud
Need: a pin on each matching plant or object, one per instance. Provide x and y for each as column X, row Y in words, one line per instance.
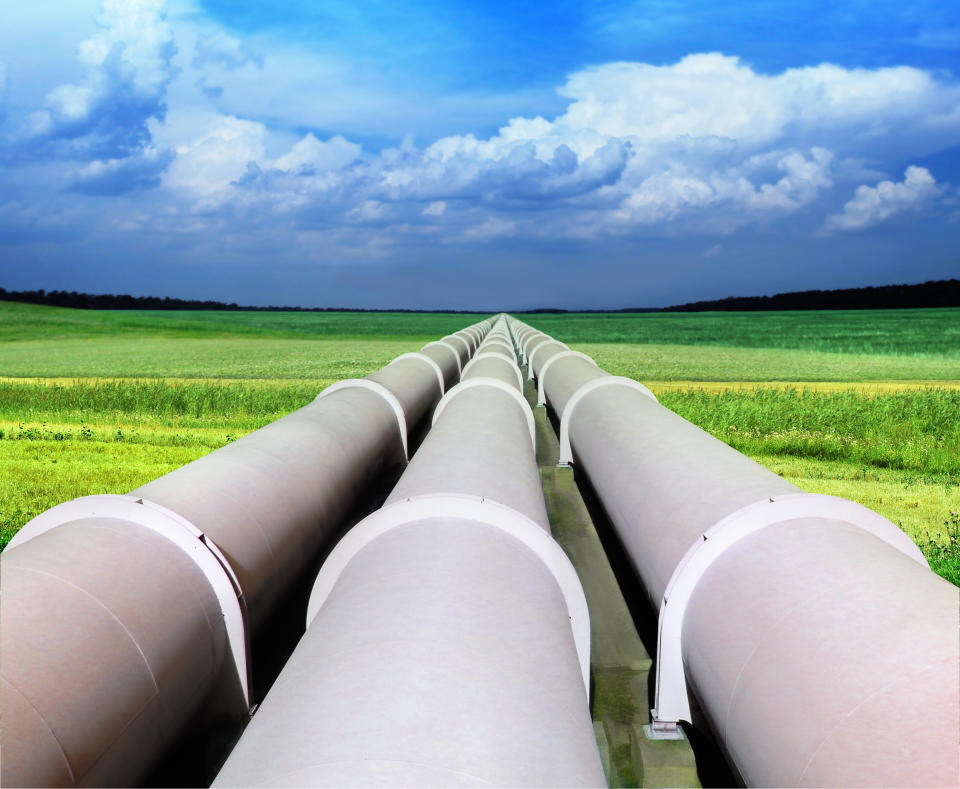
column 491, row 229
column 223, row 50
column 127, row 67
column 215, row 155
column 872, row 205
column 436, row 208
column 310, row 154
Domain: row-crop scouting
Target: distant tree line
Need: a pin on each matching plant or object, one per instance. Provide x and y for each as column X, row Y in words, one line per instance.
column 939, row 293
column 109, row 301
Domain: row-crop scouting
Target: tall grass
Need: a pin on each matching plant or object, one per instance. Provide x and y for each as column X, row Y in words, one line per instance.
column 155, row 401
column 916, row 431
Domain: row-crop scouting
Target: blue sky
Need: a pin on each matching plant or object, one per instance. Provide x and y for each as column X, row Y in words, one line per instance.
column 477, row 155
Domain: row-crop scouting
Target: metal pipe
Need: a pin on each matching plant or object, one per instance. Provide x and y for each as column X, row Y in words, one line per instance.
column 148, row 601
column 820, row 647
column 448, row 641
column 494, row 365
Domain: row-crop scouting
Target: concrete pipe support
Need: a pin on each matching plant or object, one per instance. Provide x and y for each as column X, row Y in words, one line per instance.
column 121, row 615
column 448, row 637
column 820, row 647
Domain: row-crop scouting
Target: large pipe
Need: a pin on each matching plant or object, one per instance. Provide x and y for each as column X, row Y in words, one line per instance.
column 821, row 649
column 121, row 615
column 448, row 635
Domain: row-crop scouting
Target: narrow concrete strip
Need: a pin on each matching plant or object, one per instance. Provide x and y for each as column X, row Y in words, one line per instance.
column 619, row 662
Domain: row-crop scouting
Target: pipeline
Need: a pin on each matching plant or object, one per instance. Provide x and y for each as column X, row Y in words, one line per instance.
column 123, row 616
column 806, row 629
column 448, row 636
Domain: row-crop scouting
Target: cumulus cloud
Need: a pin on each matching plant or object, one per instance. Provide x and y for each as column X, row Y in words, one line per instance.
column 127, row 68
column 119, row 176
column 220, row 49
column 705, row 146
column 215, row 155
column 310, row 155
column 872, row 205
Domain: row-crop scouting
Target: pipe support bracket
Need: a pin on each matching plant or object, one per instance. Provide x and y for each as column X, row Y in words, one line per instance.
column 380, row 389
column 430, row 363
column 470, row 383
column 470, row 508
column 541, row 394
column 671, row 700
column 188, row 538
column 453, row 350
column 482, row 354
column 566, row 451
column 533, row 354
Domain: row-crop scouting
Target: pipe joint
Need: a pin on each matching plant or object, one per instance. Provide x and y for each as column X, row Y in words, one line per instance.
column 380, row 389
column 496, row 384
column 541, row 394
column 484, row 354
column 540, row 347
column 453, row 350
column 468, row 508
column 566, row 451
column 430, row 363
column 671, row 699
column 201, row 550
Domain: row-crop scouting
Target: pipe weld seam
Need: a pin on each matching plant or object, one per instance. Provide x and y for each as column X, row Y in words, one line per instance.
column 472, row 383
column 199, row 548
column 671, row 700
column 380, row 389
column 430, row 363
column 460, row 506
column 566, row 451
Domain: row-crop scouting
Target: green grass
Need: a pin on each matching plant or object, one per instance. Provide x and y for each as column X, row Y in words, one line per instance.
column 932, row 333
column 40, row 473
column 227, row 357
column 121, row 398
column 705, row 363
column 916, row 432
column 19, row 322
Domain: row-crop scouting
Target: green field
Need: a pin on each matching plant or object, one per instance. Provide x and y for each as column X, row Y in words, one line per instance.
column 98, row 401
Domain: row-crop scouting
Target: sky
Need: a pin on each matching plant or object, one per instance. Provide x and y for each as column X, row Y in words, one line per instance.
column 477, row 155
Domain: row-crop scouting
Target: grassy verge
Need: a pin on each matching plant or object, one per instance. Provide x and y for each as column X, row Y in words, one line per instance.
column 896, row 452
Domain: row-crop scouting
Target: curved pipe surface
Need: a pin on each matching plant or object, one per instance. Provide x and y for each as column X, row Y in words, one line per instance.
column 259, row 509
column 489, row 365
column 441, row 650
column 820, row 654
